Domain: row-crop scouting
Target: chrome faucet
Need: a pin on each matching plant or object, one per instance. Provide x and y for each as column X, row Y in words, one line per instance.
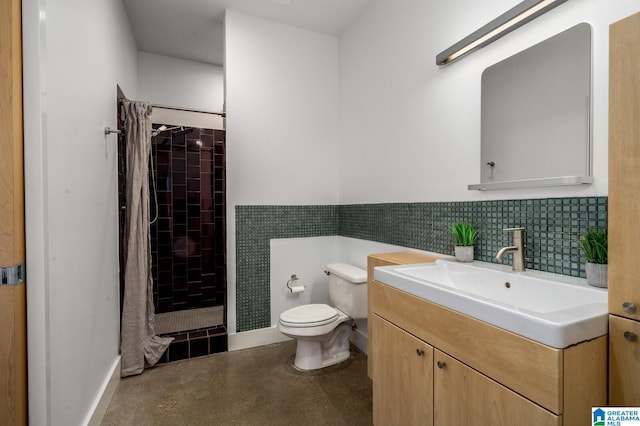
column 517, row 249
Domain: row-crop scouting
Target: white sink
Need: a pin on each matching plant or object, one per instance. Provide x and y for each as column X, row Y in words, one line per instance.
column 552, row 309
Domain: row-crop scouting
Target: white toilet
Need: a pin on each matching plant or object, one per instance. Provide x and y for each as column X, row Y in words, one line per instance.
column 323, row 331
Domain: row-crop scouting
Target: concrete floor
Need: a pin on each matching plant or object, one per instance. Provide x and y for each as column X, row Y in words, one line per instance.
column 255, row 386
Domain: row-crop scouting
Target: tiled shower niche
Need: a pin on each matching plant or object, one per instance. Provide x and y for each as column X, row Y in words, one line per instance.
column 188, row 237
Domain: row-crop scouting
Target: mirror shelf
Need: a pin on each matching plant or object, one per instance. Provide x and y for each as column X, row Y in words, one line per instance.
column 532, row 183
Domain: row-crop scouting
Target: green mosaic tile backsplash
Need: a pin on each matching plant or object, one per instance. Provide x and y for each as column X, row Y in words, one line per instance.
column 551, row 227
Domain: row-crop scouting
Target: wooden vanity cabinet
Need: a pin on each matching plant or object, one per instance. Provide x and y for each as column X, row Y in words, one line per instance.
column 387, row 259
column 479, row 374
column 417, row 385
column 624, row 208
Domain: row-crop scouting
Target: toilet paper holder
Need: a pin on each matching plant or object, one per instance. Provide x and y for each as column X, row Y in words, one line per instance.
column 295, row 288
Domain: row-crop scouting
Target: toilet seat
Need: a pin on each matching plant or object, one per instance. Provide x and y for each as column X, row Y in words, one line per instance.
column 313, row 315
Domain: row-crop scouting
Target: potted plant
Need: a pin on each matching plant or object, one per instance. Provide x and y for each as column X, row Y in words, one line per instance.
column 465, row 236
column 594, row 247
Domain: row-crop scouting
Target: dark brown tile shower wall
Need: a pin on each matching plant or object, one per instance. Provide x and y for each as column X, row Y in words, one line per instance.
column 188, row 239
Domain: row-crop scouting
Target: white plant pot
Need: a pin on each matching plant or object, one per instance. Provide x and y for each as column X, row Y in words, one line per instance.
column 464, row 253
column 597, row 274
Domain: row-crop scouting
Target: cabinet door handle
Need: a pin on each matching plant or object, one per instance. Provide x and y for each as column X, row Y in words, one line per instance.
column 629, row 307
column 630, row 336
column 441, row 364
column 419, row 352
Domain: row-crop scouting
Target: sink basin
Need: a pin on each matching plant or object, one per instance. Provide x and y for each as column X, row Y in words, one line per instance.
column 552, row 309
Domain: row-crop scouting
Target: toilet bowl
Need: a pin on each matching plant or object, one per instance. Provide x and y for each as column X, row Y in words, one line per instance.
column 322, row 331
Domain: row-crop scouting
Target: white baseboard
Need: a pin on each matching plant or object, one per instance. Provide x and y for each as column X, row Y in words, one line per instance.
column 268, row 336
column 253, row 338
column 103, row 399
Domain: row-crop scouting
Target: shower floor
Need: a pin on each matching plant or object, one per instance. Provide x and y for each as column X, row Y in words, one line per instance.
column 195, row 333
column 191, row 319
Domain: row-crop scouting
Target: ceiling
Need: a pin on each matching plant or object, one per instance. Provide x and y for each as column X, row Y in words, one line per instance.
column 193, row 29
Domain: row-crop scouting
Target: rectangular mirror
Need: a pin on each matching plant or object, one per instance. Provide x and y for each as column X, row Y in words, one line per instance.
column 535, row 118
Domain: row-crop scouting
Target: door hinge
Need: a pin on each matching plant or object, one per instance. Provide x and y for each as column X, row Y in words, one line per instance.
column 13, row 275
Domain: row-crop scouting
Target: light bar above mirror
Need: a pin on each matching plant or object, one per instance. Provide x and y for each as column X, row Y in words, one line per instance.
column 502, row 25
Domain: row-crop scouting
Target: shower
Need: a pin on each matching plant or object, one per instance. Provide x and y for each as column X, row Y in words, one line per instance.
column 188, row 238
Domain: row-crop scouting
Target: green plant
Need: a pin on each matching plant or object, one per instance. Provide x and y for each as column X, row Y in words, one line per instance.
column 594, row 246
column 464, row 234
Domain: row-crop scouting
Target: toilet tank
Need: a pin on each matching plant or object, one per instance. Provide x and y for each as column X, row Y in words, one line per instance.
column 348, row 289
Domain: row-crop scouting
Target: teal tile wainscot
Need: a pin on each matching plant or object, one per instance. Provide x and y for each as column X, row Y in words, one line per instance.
column 552, row 225
column 255, row 226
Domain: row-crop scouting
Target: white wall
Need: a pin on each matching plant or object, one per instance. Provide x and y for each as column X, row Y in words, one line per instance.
column 164, row 80
column 282, row 120
column 419, row 124
column 75, row 52
column 306, row 258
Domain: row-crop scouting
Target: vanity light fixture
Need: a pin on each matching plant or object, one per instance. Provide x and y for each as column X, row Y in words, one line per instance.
column 502, row 25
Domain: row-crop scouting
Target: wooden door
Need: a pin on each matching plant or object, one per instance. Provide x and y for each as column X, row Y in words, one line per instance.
column 402, row 377
column 624, row 362
column 13, row 393
column 624, row 166
column 462, row 396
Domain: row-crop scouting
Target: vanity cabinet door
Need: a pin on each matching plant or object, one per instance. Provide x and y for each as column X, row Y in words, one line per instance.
column 624, row 166
column 402, row 377
column 463, row 396
column 386, row 259
column 624, row 362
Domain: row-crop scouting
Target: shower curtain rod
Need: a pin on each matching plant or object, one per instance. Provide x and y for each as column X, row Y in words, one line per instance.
column 221, row 114
column 108, row 130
